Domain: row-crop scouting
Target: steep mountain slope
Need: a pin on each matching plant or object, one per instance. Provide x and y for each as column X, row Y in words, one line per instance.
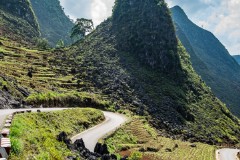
column 210, row 59
column 135, row 60
column 20, row 14
column 17, row 23
column 237, row 58
column 54, row 24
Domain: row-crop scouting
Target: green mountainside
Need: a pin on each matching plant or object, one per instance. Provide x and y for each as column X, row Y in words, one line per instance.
column 54, row 24
column 237, row 58
column 132, row 61
column 210, row 59
column 20, row 14
column 137, row 63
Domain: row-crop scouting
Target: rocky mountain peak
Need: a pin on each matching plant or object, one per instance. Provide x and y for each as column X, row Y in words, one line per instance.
column 145, row 28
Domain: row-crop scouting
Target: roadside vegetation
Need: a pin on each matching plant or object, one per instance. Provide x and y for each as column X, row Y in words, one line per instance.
column 34, row 135
column 140, row 141
column 55, row 99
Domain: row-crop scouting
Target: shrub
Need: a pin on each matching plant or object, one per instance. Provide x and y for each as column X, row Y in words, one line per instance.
column 42, row 43
column 135, row 156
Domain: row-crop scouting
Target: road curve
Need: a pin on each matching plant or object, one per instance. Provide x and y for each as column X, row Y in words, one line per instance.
column 92, row 135
column 5, row 112
column 227, row 154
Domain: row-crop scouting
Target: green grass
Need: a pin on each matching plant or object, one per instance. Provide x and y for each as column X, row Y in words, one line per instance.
column 51, row 99
column 137, row 136
column 33, row 135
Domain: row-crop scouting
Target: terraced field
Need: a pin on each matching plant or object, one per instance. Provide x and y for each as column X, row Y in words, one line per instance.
column 33, row 70
column 139, row 136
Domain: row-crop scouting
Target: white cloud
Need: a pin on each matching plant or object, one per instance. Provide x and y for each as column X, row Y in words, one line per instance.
column 100, row 10
column 222, row 17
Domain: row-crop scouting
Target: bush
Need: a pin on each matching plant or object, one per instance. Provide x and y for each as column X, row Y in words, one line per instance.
column 135, row 156
column 42, row 43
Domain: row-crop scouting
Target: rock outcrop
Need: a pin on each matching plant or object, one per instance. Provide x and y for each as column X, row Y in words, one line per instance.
column 100, row 151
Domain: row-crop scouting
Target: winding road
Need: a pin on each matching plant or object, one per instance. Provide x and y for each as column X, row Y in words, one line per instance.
column 227, row 154
column 111, row 123
column 92, row 135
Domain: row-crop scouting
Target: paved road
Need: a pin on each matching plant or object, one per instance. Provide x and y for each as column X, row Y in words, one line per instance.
column 5, row 112
column 91, row 136
column 227, row 154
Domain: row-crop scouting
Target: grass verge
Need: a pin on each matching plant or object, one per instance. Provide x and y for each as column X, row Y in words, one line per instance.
column 72, row 99
column 33, row 135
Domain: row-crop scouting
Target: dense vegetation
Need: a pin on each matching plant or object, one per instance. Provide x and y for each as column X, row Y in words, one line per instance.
column 137, row 136
column 210, row 59
column 34, row 135
column 237, row 58
column 54, row 24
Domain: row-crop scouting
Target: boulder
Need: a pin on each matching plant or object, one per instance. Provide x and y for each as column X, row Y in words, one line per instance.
column 168, row 150
column 193, row 145
column 101, row 149
column 62, row 137
column 79, row 144
column 1, row 55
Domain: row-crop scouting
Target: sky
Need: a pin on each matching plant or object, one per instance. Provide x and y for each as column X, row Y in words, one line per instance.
column 221, row 17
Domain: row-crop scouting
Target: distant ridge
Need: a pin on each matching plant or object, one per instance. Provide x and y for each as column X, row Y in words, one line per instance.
column 237, row 58
column 54, row 24
column 210, row 59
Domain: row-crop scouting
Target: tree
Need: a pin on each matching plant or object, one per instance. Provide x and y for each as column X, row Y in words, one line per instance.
column 60, row 44
column 81, row 28
column 41, row 43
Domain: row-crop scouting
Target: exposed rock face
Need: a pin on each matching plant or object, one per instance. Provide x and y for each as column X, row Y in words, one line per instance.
column 7, row 101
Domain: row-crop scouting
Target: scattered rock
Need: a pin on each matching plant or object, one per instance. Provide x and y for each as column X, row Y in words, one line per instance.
column 168, row 150
column 29, row 74
column 151, row 149
column 193, row 145
column 100, row 151
column 5, row 88
column 175, row 146
column 1, row 55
